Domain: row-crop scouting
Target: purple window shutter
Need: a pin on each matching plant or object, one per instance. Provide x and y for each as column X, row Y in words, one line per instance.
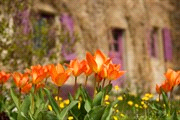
column 167, row 44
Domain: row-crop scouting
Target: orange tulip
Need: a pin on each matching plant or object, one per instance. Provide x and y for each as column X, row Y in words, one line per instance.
column 165, row 86
column 20, row 79
column 4, row 77
column 87, row 69
column 95, row 62
column 113, row 72
column 38, row 73
column 158, row 90
column 76, row 67
column 171, row 77
column 26, row 88
column 58, row 74
column 178, row 78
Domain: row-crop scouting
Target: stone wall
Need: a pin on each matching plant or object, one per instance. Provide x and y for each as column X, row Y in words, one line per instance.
column 175, row 18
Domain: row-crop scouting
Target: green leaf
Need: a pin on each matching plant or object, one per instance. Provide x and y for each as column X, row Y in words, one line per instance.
column 78, row 93
column 96, row 113
column 53, row 103
column 174, row 115
column 15, row 98
column 165, row 98
column 108, row 111
column 66, row 109
column 107, row 89
column 87, row 106
column 85, row 95
column 24, row 108
column 98, row 99
column 70, row 97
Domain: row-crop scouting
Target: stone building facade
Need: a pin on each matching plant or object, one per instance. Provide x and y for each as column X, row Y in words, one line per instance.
column 175, row 19
column 135, row 33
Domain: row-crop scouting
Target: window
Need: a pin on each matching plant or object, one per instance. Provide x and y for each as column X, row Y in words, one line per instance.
column 44, row 34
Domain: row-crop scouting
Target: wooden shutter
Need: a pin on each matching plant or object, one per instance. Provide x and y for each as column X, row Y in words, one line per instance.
column 167, row 44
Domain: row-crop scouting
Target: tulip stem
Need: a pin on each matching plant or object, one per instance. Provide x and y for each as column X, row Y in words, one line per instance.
column 86, row 81
column 75, row 85
column 19, row 96
column 1, row 88
column 95, row 86
column 59, row 91
column 103, row 83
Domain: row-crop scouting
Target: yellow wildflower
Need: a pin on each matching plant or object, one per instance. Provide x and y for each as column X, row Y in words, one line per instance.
column 70, row 118
column 79, row 105
column 136, row 105
column 60, row 98
column 145, row 106
column 145, row 98
column 130, row 103
column 56, row 98
column 142, row 102
column 116, row 87
column 120, row 98
column 107, row 103
column 49, row 107
column 61, row 105
column 66, row 101
column 157, row 100
column 122, row 115
column 115, row 118
column 117, row 110
column 115, row 105
column 106, row 97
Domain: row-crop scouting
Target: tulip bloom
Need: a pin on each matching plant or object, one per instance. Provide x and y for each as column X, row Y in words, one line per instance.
column 26, row 88
column 76, row 67
column 58, row 74
column 87, row 69
column 4, row 77
column 165, row 86
column 38, row 73
column 171, row 77
column 21, row 81
column 113, row 72
column 95, row 62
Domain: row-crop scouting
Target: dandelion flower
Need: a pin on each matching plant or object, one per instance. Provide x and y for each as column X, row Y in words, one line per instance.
column 49, row 107
column 136, row 105
column 115, row 118
column 70, row 118
column 107, row 103
column 145, row 106
column 61, row 105
column 106, row 97
column 67, row 102
column 116, row 87
column 120, row 98
column 122, row 115
column 130, row 103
